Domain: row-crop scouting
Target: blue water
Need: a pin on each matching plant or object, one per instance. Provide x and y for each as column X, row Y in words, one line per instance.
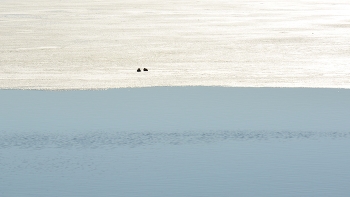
column 178, row 141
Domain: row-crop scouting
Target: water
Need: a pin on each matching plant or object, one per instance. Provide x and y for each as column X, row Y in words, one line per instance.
column 172, row 109
column 79, row 44
column 172, row 141
column 303, row 167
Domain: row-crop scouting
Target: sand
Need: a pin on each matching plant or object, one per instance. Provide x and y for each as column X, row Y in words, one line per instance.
column 79, row 44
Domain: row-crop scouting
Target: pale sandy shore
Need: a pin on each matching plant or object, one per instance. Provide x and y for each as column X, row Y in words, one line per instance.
column 79, row 44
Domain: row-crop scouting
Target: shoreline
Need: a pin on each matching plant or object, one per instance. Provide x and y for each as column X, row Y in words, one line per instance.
column 189, row 86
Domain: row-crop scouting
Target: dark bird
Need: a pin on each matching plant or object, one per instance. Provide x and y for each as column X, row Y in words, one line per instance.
column 138, row 70
column 145, row 69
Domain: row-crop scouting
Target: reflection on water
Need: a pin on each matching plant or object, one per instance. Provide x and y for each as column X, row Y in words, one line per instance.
column 132, row 139
column 176, row 164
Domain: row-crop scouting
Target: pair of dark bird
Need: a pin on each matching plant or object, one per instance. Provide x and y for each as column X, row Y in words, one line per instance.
column 144, row 69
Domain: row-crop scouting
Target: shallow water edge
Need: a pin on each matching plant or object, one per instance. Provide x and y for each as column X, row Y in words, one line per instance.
column 168, row 109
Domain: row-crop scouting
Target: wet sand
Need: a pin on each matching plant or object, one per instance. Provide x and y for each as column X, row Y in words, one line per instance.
column 99, row 44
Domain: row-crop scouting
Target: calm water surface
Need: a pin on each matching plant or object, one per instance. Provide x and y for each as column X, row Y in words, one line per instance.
column 194, row 141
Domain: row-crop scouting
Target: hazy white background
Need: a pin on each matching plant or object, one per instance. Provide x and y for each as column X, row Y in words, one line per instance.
column 79, row 44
